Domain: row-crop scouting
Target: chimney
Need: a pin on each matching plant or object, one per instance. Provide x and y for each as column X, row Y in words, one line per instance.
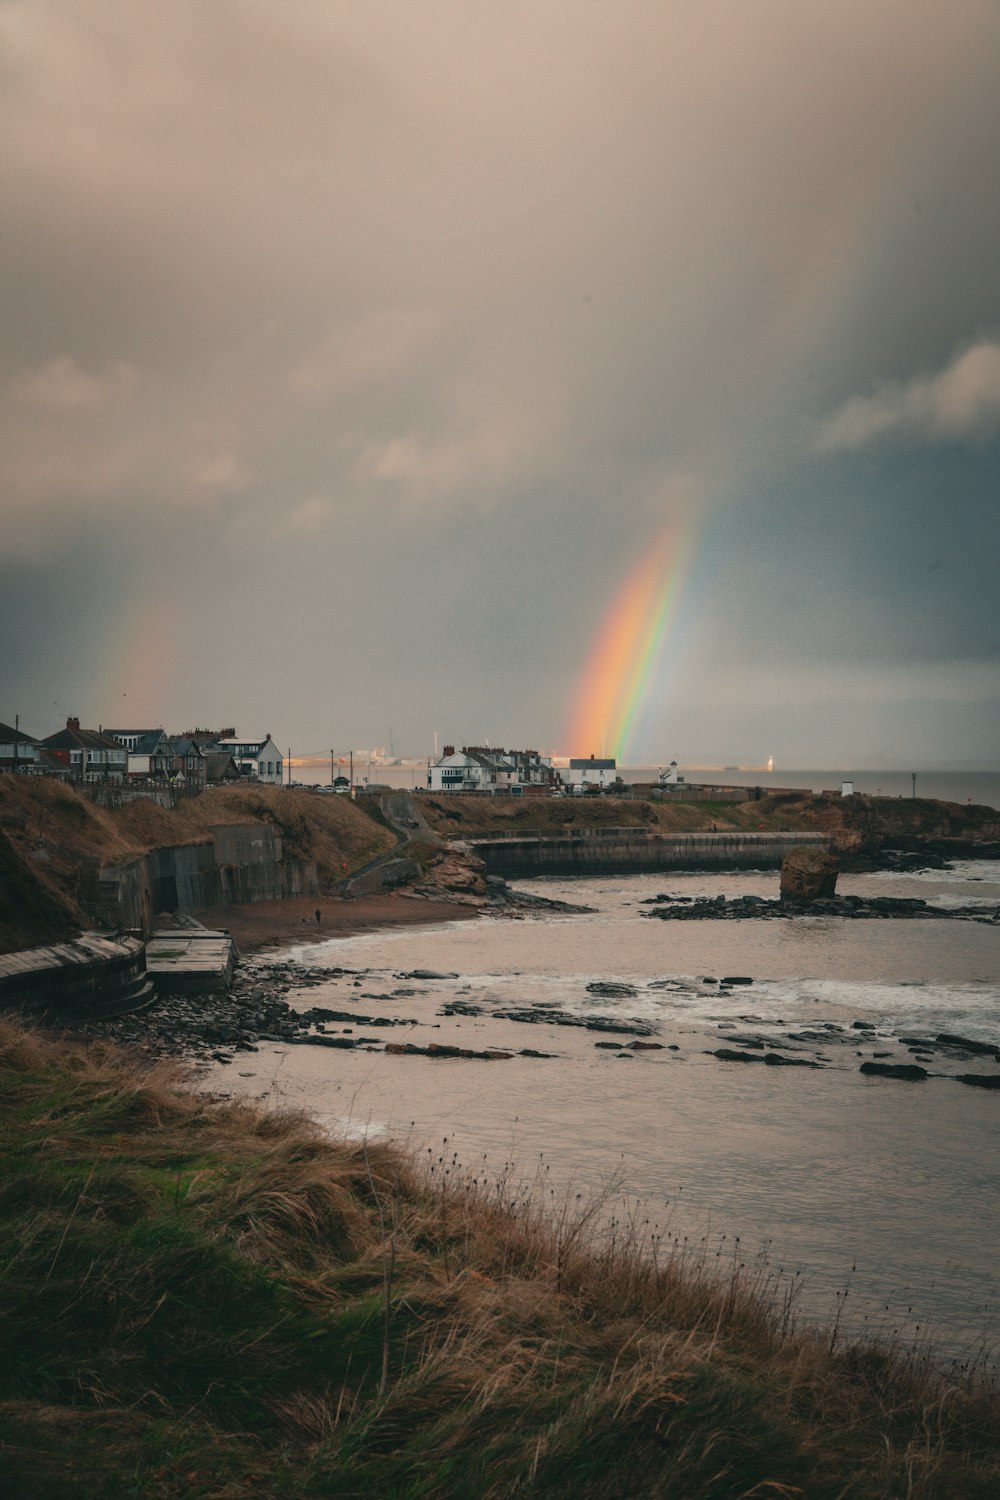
column 72, row 723
column 448, row 750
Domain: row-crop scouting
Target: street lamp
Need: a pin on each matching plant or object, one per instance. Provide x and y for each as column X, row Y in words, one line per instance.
column 913, row 778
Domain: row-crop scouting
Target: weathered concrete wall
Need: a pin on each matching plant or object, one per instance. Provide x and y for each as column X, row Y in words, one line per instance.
column 243, row 862
column 124, row 892
column 617, row 851
column 119, row 795
column 248, row 858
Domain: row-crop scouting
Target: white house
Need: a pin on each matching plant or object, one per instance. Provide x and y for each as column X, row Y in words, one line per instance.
column 481, row 768
column 589, row 772
column 257, row 760
column 468, row 770
column 149, row 752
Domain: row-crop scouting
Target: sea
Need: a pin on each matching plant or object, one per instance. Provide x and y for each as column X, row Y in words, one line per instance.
column 877, row 1200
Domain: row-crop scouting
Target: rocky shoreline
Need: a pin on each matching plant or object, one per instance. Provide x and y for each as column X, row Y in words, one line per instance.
column 722, row 909
column 222, row 1028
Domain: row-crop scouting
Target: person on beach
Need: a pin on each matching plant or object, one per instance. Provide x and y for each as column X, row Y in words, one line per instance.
column 318, row 914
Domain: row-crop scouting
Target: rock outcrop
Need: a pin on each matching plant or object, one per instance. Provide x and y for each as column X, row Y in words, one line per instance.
column 808, row 875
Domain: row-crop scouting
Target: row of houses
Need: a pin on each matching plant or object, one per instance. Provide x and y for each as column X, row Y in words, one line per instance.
column 485, row 768
column 196, row 758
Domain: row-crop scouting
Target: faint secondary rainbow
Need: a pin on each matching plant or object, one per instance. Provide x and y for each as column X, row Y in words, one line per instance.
column 620, row 670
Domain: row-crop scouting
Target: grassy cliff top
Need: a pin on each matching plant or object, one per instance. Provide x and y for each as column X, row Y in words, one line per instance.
column 206, row 1300
column 851, row 820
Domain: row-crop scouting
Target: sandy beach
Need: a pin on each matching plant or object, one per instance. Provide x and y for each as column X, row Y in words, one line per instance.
column 274, row 924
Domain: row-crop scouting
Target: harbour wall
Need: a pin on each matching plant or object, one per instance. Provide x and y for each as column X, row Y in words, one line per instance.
column 633, row 851
column 239, row 863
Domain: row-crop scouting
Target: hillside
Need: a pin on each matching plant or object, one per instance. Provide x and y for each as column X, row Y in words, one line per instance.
column 51, row 837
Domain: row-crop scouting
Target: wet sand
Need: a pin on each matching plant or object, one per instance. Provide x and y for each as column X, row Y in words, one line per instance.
column 275, row 924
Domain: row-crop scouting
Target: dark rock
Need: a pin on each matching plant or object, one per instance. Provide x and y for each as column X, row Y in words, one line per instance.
column 982, row 1049
column 643, row 1046
column 729, row 1054
column 895, row 1070
column 980, row 1080
column 737, row 979
column 425, row 974
column 440, row 1050
column 345, row 1043
column 610, row 990
column 609, row 1046
column 808, row 875
column 775, row 1060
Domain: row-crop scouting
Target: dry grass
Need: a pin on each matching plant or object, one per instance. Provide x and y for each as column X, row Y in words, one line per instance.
column 202, row 1298
column 851, row 821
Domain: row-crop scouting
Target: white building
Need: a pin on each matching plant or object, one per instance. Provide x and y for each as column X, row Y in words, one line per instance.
column 149, row 752
column 589, row 772
column 480, row 768
column 671, row 777
column 256, row 760
column 463, row 771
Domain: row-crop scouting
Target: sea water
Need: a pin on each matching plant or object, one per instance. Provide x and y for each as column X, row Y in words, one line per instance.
column 883, row 1189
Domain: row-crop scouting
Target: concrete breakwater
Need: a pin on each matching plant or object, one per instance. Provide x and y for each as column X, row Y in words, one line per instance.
column 623, row 851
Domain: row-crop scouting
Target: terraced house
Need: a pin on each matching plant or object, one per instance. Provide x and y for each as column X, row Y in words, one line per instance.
column 88, row 754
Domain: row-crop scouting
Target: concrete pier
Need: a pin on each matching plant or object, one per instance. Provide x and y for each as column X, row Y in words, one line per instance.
column 194, row 961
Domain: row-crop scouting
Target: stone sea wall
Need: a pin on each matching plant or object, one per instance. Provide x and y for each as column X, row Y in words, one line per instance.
column 618, row 851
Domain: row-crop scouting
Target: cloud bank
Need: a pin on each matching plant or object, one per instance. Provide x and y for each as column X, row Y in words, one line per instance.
column 355, row 353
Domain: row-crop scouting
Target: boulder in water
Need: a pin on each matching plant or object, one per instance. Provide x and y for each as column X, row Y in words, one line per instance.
column 808, row 875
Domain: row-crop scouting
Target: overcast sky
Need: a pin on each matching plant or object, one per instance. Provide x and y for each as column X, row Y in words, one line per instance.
column 355, row 353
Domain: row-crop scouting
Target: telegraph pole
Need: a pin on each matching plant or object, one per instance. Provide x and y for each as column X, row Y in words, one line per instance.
column 332, row 772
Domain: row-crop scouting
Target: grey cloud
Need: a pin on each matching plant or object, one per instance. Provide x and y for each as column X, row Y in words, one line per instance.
column 418, row 323
column 962, row 400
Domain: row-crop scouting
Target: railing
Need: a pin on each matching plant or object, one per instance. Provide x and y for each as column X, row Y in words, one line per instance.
column 108, row 921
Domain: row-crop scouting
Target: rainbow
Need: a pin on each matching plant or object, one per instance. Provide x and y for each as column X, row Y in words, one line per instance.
column 621, row 667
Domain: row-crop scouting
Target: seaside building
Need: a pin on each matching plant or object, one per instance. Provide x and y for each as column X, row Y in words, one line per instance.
column 591, row 772
column 256, row 760
column 149, row 753
column 87, row 754
column 19, row 752
column 482, row 768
